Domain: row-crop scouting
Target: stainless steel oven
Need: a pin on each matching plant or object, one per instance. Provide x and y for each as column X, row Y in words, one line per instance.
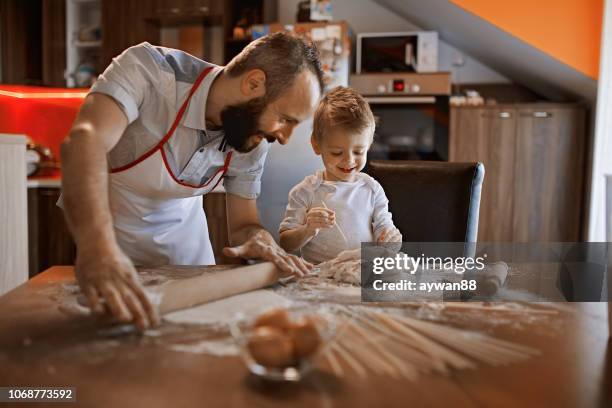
column 412, row 112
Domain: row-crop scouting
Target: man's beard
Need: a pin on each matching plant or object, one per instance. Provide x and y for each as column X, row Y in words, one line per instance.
column 241, row 123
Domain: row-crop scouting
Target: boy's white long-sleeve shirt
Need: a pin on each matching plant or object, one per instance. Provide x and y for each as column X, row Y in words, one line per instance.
column 361, row 207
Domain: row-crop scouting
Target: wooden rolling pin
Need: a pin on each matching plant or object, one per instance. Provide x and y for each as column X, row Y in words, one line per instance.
column 214, row 285
column 210, row 285
column 492, row 278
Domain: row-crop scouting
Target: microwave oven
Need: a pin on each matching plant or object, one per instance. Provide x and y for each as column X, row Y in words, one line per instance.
column 414, row 51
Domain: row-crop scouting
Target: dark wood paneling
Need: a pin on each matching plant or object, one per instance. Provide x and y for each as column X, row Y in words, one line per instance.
column 548, row 196
column 125, row 23
column 50, row 242
column 20, row 36
column 33, row 232
column 216, row 216
column 54, row 42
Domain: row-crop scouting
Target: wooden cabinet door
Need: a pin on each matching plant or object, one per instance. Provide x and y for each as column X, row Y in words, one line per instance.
column 49, row 240
column 165, row 8
column 201, row 7
column 549, row 172
column 184, row 8
column 54, row 42
column 216, row 217
column 488, row 135
column 126, row 23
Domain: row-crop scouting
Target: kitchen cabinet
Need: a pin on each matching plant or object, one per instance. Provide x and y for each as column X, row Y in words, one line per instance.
column 488, row 136
column 130, row 22
column 33, row 42
column 20, row 42
column 49, row 240
column 126, row 23
column 54, row 42
column 550, row 172
column 534, row 168
column 38, row 45
column 216, row 217
column 169, row 8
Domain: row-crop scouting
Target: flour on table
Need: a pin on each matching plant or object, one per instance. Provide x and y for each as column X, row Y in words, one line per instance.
column 220, row 347
column 221, row 311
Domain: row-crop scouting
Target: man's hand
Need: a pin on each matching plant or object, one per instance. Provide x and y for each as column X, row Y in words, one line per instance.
column 261, row 245
column 109, row 282
column 318, row 218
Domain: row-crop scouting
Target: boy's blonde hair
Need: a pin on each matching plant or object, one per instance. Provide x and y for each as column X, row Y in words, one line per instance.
column 343, row 108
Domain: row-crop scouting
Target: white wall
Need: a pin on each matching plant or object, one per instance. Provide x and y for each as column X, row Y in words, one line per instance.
column 13, row 212
column 365, row 16
column 602, row 144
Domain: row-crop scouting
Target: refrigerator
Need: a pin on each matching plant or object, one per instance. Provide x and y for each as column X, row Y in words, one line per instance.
column 287, row 165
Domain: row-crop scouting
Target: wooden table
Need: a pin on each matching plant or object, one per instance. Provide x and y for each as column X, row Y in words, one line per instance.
column 40, row 346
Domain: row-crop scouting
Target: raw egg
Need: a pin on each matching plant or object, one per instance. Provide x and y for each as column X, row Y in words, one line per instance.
column 305, row 337
column 278, row 318
column 271, row 347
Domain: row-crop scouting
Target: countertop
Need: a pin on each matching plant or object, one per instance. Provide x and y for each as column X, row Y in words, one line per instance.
column 12, row 139
column 51, row 182
column 40, row 346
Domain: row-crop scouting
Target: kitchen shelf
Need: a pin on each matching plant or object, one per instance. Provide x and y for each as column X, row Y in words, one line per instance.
column 87, row 44
column 83, row 18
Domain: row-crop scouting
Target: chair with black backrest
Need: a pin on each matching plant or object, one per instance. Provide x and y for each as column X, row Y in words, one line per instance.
column 432, row 201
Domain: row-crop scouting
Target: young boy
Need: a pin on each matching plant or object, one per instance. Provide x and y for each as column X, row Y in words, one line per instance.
column 339, row 207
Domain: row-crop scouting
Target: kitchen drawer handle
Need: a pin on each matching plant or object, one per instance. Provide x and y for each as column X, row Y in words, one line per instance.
column 502, row 115
column 542, row 114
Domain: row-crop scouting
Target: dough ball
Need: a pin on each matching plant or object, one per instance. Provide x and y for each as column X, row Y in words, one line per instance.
column 305, row 337
column 271, row 347
column 278, row 318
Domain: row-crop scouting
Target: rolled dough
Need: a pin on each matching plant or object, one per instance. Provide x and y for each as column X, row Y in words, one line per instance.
column 250, row 304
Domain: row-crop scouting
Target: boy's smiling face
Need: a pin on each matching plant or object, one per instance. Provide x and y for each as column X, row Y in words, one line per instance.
column 344, row 153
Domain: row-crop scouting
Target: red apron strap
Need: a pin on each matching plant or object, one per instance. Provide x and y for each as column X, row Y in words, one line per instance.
column 222, row 170
column 175, row 124
column 228, row 159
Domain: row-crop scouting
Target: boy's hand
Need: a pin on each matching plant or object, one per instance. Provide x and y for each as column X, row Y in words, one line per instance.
column 391, row 240
column 390, row 235
column 319, row 217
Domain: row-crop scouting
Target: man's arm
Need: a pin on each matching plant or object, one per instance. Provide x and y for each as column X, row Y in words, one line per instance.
column 251, row 240
column 103, row 271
